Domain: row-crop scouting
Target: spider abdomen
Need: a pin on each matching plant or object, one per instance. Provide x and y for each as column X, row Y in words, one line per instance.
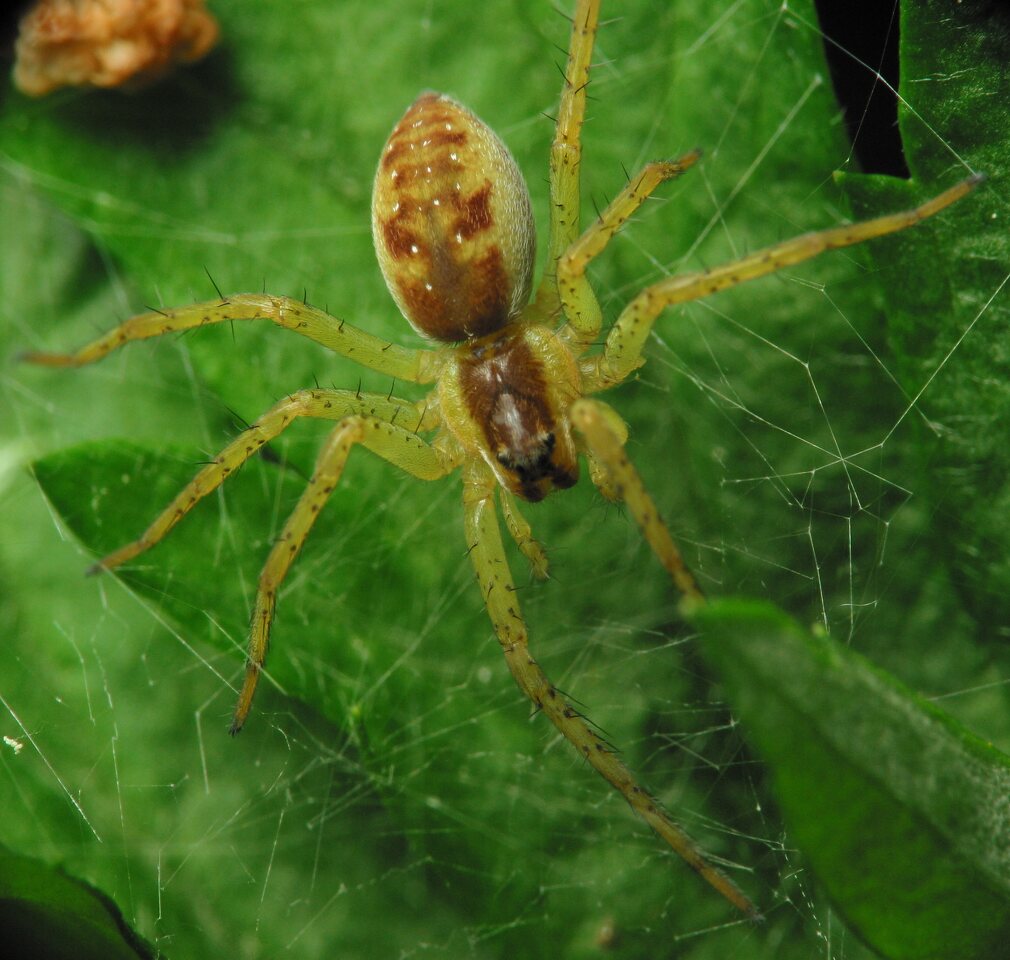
column 452, row 222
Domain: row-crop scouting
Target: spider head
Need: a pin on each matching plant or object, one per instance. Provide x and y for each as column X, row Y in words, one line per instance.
column 533, row 466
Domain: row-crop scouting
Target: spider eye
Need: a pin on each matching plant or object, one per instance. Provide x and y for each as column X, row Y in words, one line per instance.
column 452, row 222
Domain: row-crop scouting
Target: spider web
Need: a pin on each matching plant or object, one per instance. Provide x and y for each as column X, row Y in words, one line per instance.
column 415, row 811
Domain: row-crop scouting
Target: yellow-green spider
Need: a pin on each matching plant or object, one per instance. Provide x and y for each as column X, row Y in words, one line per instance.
column 513, row 404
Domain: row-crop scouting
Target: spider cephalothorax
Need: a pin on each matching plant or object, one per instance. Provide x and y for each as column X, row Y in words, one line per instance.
column 507, row 396
column 512, row 407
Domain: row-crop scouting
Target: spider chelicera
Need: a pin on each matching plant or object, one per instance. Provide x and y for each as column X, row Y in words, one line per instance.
column 513, row 404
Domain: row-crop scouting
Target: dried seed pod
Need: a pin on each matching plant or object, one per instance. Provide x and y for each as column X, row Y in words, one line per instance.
column 108, row 43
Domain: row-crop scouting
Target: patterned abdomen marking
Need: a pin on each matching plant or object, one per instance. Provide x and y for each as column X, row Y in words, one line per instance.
column 452, row 222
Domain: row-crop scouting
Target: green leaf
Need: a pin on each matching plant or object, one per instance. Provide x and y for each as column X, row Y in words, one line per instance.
column 394, row 798
column 46, row 913
column 899, row 810
column 946, row 330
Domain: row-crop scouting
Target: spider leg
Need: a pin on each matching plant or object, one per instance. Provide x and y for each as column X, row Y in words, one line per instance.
column 400, row 446
column 520, row 530
column 416, row 366
column 321, row 404
column 566, row 151
column 622, row 353
column 580, row 305
column 595, row 421
column 488, row 556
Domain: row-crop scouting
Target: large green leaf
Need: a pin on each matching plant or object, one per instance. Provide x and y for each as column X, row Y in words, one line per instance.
column 946, row 330
column 412, row 808
column 900, row 810
column 45, row 913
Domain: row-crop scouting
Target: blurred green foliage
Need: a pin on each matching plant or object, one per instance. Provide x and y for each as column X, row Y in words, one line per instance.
column 396, row 801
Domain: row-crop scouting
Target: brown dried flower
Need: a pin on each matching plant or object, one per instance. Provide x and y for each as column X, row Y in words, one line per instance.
column 108, row 43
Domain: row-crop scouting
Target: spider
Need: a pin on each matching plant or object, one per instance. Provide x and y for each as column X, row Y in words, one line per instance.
column 515, row 373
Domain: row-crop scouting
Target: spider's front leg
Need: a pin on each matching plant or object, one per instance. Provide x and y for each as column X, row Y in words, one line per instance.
column 318, row 404
column 491, row 565
column 401, row 447
column 619, row 480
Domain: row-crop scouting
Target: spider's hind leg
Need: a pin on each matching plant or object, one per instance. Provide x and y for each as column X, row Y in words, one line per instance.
column 622, row 353
column 619, row 480
column 581, row 308
column 566, row 150
column 403, row 363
